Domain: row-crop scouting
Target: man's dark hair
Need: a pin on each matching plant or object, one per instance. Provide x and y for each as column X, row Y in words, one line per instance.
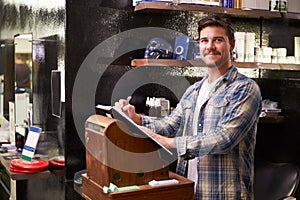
column 218, row 22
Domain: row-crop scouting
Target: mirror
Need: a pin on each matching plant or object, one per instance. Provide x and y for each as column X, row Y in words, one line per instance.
column 23, row 79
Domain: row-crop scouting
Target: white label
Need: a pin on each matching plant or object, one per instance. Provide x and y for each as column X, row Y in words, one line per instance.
column 31, row 142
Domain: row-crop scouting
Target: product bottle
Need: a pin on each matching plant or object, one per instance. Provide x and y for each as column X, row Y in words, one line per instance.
column 238, row 4
column 227, row 3
column 282, row 5
column 157, row 107
column 152, row 111
column 274, row 5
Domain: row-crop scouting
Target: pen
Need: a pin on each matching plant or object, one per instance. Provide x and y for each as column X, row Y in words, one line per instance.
column 127, row 100
column 125, row 103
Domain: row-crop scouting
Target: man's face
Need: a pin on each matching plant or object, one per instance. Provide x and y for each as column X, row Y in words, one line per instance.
column 215, row 48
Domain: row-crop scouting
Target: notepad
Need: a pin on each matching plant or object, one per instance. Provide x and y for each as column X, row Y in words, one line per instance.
column 118, row 114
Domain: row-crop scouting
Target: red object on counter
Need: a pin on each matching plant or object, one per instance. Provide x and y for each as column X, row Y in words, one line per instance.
column 57, row 164
column 23, row 166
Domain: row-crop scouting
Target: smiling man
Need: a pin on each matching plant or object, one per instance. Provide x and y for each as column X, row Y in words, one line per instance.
column 213, row 127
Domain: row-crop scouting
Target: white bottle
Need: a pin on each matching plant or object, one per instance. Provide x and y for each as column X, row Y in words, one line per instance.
column 157, row 107
column 248, row 4
column 274, row 5
column 249, row 47
column 152, row 111
column 240, row 46
column 297, row 49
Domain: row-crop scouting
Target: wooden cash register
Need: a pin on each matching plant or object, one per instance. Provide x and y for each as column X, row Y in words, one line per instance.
column 116, row 155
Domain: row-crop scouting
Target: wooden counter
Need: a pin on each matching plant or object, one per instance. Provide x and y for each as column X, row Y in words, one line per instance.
column 21, row 176
column 182, row 191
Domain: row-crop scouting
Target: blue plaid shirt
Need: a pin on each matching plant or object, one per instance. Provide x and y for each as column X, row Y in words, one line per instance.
column 225, row 140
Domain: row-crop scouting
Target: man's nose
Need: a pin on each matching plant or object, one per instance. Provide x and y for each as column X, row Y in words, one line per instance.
column 210, row 45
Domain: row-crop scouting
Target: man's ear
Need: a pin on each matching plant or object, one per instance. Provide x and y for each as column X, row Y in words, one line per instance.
column 232, row 45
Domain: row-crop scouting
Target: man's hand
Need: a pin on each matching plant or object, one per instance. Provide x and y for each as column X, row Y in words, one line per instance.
column 165, row 141
column 129, row 110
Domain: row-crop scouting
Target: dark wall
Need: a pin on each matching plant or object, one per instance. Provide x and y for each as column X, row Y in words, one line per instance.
column 89, row 25
column 280, row 141
column 283, row 35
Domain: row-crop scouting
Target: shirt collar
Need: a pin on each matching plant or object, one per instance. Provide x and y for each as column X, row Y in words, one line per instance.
column 229, row 76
